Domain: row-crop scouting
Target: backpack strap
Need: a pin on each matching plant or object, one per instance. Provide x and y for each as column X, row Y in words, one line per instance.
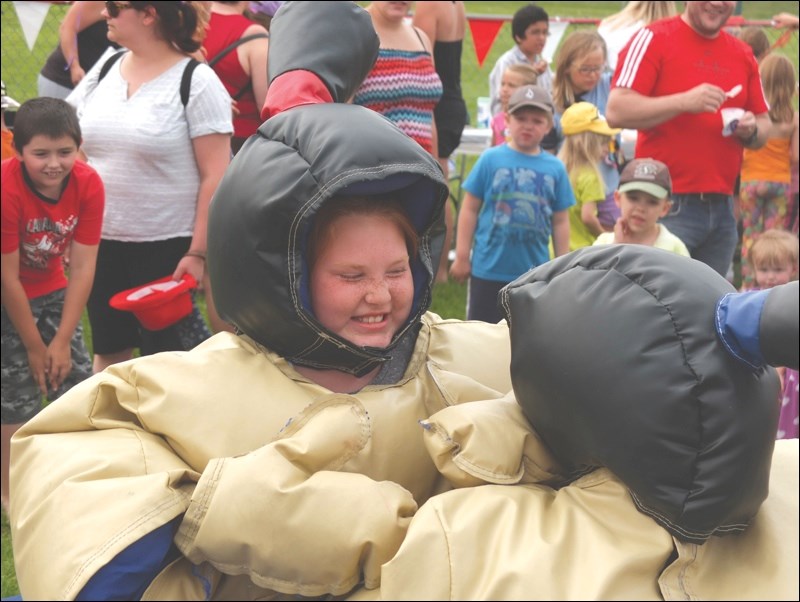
column 228, row 49
column 109, row 63
column 186, row 80
column 234, row 45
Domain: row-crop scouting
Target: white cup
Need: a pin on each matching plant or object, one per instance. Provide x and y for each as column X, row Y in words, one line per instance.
column 730, row 119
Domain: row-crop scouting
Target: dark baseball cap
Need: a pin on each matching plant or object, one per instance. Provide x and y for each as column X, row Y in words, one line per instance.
column 647, row 175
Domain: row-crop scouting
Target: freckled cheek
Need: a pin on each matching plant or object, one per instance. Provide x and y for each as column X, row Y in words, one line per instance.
column 402, row 293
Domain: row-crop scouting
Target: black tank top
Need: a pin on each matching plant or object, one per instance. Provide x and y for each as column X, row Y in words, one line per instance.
column 92, row 42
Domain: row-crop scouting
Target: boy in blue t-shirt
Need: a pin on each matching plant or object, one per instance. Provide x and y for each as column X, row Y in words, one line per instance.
column 517, row 197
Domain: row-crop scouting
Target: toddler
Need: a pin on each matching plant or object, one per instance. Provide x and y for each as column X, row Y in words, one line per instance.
column 774, row 260
column 514, row 76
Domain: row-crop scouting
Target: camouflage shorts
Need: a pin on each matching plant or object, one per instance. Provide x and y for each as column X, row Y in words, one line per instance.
column 19, row 394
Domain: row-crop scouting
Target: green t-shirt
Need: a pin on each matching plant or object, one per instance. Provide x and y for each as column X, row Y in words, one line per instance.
column 588, row 188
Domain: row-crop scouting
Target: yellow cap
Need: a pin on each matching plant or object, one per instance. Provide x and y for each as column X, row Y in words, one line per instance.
column 584, row 117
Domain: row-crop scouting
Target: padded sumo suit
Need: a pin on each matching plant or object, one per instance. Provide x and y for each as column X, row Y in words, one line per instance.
column 196, row 452
column 633, row 459
column 673, row 485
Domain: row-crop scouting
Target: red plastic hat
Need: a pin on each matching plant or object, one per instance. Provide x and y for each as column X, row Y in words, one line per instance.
column 157, row 304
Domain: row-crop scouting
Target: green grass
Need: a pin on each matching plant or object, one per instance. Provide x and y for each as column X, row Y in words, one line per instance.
column 20, row 68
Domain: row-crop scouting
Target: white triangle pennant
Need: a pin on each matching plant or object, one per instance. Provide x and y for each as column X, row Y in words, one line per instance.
column 31, row 16
column 557, row 31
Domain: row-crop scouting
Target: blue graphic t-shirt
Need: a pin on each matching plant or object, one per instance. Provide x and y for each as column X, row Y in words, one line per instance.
column 520, row 193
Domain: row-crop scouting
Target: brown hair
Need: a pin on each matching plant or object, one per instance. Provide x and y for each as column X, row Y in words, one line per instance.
column 774, row 248
column 322, row 230
column 577, row 44
column 45, row 116
column 779, row 81
column 757, row 40
column 183, row 24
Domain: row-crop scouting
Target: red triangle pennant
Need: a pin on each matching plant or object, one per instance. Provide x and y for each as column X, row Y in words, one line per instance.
column 484, row 32
column 783, row 40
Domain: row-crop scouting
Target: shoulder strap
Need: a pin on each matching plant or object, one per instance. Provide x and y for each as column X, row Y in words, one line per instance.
column 186, row 80
column 109, row 63
column 234, row 45
column 419, row 37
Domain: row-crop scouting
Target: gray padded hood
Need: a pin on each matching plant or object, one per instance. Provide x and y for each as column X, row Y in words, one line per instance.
column 616, row 363
column 336, row 42
column 304, row 155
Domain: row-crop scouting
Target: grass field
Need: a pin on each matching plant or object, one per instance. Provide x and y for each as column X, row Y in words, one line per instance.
column 20, row 67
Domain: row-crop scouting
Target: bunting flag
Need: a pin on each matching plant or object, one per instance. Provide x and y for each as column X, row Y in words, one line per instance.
column 557, row 31
column 484, row 32
column 782, row 40
column 31, row 15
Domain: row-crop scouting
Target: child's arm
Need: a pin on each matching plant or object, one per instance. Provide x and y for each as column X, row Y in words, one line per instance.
column 560, row 233
column 16, row 304
column 467, row 221
column 794, row 147
column 589, row 218
column 83, row 259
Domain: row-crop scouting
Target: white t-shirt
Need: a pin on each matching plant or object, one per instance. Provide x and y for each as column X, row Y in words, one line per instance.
column 142, row 148
column 666, row 240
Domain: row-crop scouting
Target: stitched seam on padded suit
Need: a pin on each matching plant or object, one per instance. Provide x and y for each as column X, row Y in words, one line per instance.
column 201, row 508
column 689, row 534
column 120, row 535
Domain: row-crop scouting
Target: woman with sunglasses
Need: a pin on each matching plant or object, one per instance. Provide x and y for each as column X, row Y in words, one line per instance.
column 160, row 161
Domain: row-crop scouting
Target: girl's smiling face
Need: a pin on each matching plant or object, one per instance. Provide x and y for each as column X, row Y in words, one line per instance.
column 361, row 284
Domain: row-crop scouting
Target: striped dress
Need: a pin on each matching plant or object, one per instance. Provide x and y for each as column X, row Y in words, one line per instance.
column 403, row 86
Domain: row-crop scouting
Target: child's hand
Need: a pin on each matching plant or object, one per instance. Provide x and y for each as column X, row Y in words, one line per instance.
column 621, row 230
column 58, row 362
column 37, row 361
column 540, row 66
column 460, row 269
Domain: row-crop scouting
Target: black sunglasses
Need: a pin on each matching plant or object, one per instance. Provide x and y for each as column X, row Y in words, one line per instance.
column 115, row 8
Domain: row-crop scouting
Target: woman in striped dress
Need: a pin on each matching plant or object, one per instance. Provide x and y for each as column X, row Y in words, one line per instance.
column 403, row 85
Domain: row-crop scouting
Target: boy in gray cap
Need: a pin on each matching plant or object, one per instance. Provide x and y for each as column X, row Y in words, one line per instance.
column 517, row 196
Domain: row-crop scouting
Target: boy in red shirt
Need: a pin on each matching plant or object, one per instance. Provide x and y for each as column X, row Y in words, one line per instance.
column 52, row 204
